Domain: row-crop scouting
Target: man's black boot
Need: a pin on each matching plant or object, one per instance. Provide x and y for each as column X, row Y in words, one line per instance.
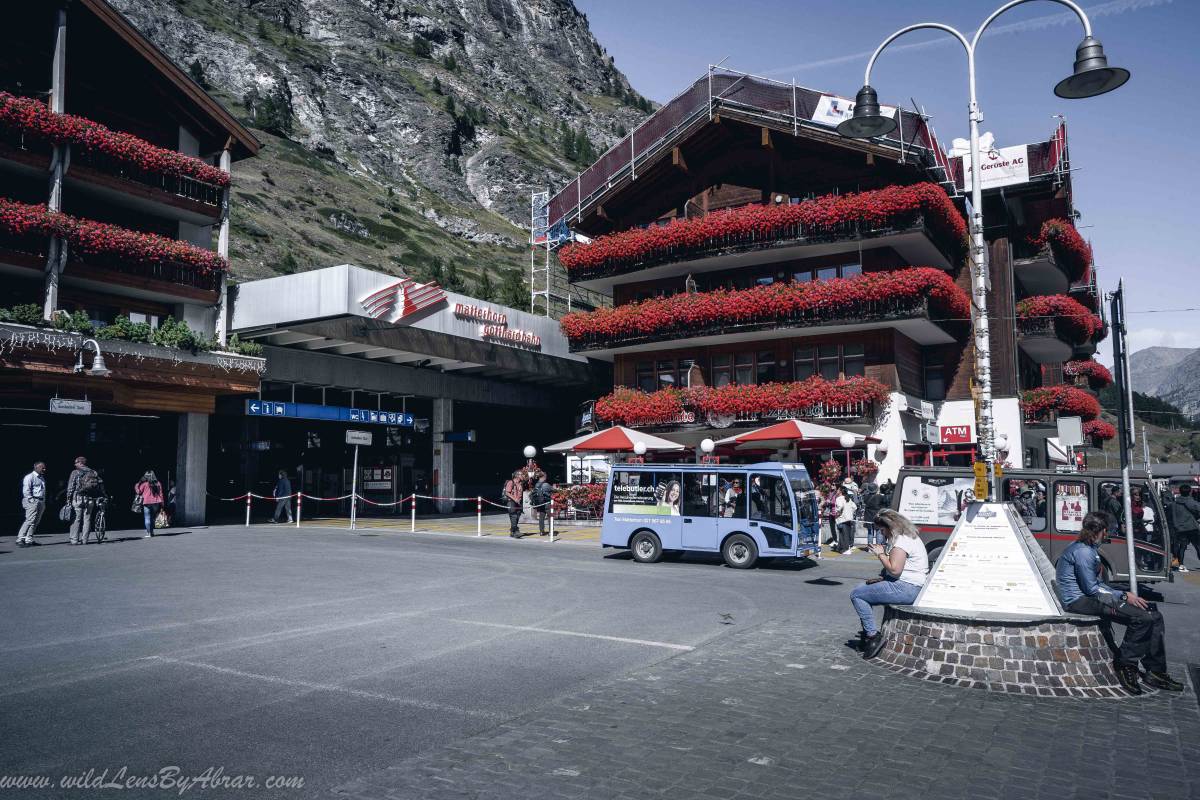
column 1127, row 674
column 1161, row 680
column 873, row 644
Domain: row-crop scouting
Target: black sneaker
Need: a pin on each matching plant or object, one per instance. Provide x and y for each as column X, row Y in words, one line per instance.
column 1161, row 680
column 1127, row 675
column 873, row 644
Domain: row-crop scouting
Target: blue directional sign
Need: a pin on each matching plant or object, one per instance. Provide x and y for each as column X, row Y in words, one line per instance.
column 362, row 416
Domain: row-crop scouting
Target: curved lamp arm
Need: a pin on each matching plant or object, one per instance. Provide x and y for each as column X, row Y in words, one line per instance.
column 1079, row 12
column 920, row 26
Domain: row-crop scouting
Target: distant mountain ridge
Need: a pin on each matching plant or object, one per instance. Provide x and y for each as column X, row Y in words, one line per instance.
column 1169, row 373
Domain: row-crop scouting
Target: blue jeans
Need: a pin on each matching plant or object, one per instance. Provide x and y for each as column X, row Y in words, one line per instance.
column 887, row 592
column 149, row 512
column 872, row 536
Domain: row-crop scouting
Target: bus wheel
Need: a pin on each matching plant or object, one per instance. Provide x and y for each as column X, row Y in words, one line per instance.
column 645, row 547
column 739, row 551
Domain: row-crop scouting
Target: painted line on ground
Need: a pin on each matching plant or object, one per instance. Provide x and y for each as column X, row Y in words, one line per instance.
column 532, row 629
column 327, row 687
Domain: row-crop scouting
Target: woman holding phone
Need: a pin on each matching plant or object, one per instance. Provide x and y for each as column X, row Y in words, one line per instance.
column 904, row 562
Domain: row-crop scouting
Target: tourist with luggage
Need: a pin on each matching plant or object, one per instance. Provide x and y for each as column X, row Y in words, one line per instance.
column 1082, row 592
column 84, row 489
column 905, row 563
column 33, row 502
column 148, row 498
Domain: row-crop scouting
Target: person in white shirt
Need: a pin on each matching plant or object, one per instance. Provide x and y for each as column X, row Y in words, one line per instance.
column 905, row 563
column 33, row 500
column 845, row 521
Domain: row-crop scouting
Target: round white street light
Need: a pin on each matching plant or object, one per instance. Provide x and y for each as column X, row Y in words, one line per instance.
column 847, row 440
column 708, row 445
column 639, row 448
column 530, row 451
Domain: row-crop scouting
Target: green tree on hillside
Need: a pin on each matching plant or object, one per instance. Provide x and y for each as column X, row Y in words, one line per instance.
column 513, row 293
column 485, row 289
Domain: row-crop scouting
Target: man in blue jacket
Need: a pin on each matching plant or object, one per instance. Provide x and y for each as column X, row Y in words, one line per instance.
column 1082, row 592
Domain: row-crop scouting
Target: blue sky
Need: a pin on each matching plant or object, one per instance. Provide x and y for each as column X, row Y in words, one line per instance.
column 1133, row 150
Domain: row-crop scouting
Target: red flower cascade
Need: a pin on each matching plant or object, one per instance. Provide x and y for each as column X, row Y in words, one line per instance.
column 86, row 237
column 1067, row 245
column 634, row 407
column 35, row 118
column 869, row 295
column 1099, row 429
column 1098, row 375
column 1072, row 321
column 683, row 238
column 1065, row 400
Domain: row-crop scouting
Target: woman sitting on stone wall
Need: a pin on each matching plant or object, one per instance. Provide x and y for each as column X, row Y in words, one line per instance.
column 905, row 563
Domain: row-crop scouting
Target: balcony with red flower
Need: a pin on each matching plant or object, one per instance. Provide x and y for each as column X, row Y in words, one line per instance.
column 1051, row 261
column 918, row 222
column 922, row 303
column 1087, row 374
column 1051, row 328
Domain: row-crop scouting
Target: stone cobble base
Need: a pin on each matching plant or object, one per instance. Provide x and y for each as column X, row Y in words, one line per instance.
column 1065, row 657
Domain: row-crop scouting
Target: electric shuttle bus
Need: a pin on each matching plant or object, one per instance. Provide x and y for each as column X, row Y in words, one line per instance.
column 742, row 511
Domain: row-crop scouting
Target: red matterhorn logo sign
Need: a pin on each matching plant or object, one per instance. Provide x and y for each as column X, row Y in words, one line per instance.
column 402, row 299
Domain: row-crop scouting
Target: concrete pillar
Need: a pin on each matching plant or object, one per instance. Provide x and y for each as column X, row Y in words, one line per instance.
column 58, row 163
column 223, row 252
column 191, row 468
column 443, row 452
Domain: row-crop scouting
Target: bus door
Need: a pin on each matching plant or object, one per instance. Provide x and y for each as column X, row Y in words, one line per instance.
column 770, row 506
column 700, row 511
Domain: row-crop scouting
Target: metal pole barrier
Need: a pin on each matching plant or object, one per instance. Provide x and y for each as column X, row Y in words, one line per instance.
column 354, row 490
column 478, row 516
column 413, row 511
column 299, row 506
column 247, row 509
column 551, row 522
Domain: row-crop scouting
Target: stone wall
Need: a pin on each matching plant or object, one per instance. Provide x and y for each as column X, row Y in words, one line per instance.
column 1063, row 657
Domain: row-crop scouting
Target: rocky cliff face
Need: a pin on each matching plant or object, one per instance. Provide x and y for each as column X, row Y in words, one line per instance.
column 1176, row 376
column 403, row 135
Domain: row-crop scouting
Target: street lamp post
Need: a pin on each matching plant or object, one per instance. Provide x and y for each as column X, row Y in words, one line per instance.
column 1091, row 76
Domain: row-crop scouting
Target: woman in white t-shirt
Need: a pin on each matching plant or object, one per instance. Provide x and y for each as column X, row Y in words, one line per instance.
column 905, row 563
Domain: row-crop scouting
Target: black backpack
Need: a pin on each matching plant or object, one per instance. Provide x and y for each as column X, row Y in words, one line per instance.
column 89, row 484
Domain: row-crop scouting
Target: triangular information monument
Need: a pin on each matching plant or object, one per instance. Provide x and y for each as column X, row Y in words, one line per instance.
column 991, row 567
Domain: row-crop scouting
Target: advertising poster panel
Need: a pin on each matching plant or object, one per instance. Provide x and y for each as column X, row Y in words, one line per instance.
column 935, row 501
column 647, row 493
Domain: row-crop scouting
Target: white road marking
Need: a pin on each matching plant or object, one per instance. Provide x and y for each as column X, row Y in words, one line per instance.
column 327, row 687
column 532, row 629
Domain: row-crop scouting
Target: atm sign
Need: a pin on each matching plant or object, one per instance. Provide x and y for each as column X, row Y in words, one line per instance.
column 956, row 434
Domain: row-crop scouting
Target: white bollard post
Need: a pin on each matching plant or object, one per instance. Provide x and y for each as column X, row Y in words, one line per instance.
column 299, row 506
column 247, row 509
column 413, row 512
column 551, row 523
column 354, row 490
column 478, row 516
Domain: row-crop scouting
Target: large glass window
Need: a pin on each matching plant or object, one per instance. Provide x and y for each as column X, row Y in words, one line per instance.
column 826, row 273
column 766, row 372
column 731, row 486
column 645, row 376
column 770, row 500
column 1029, row 496
column 854, row 360
column 805, row 362
column 743, row 368
column 722, row 370
column 666, row 375
column 829, row 356
column 935, row 375
column 701, row 494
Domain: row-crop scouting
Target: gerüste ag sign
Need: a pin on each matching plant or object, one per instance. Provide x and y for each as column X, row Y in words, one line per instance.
column 494, row 326
column 1000, row 167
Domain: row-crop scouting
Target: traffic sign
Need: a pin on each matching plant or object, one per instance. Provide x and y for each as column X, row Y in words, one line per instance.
column 365, row 416
column 980, row 469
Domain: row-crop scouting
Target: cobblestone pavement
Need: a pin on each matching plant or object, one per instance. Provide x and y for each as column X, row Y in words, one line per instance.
column 784, row 711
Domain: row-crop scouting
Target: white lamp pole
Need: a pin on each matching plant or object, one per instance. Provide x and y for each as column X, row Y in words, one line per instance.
column 1091, row 76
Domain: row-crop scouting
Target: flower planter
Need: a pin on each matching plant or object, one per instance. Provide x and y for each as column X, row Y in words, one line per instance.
column 1068, row 246
column 827, row 218
column 1039, row 404
column 1092, row 373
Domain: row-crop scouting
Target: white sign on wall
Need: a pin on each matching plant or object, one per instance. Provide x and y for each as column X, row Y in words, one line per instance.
column 991, row 564
column 833, row 110
column 1000, row 167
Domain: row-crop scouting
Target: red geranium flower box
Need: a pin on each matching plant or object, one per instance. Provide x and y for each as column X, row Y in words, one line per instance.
column 1067, row 245
column 1073, row 322
column 1098, row 430
column 1097, row 375
column 1067, row 401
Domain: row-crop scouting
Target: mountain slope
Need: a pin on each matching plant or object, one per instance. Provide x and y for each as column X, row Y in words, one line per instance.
column 1151, row 367
column 1180, row 384
column 402, row 136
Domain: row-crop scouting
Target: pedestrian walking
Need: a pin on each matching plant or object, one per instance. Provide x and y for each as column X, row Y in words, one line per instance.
column 1184, row 515
column 543, row 495
column 84, row 489
column 148, row 494
column 514, row 491
column 872, row 504
column 845, row 521
column 905, row 563
column 283, row 497
column 33, row 501
column 1082, row 592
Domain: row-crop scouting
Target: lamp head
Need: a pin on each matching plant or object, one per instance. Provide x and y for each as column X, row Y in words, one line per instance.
column 1092, row 75
column 530, row 451
column 867, row 121
column 1002, row 442
column 98, row 369
column 881, row 449
column 639, row 448
column 847, row 440
column 708, row 445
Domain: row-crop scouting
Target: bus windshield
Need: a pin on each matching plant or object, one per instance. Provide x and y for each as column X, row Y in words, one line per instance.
column 798, row 477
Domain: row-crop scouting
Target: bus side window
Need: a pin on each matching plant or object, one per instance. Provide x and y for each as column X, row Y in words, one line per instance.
column 701, row 494
column 731, row 488
column 1029, row 496
column 769, row 500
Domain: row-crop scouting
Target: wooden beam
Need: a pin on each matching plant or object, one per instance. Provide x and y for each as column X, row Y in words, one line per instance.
column 766, row 138
column 677, row 159
column 602, row 214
